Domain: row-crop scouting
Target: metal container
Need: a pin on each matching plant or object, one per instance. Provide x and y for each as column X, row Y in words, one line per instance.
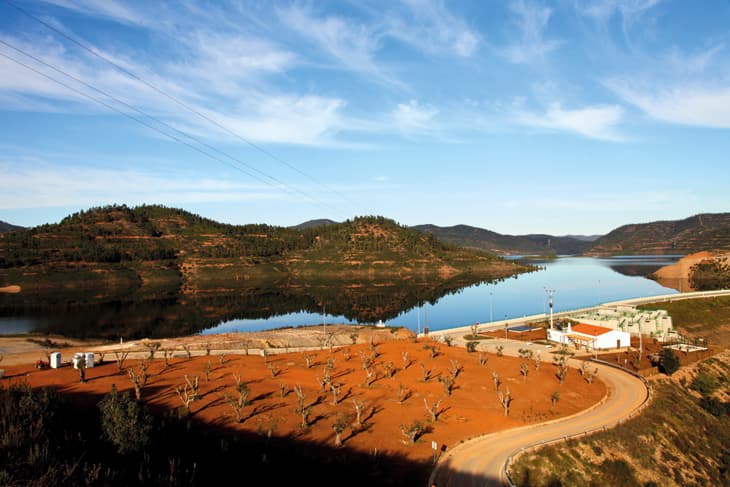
column 55, row 359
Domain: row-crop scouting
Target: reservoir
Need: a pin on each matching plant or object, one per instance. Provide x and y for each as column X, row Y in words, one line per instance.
column 576, row 282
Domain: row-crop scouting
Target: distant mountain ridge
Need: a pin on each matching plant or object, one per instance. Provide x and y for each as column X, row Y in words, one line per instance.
column 707, row 231
column 479, row 238
column 322, row 222
column 8, row 227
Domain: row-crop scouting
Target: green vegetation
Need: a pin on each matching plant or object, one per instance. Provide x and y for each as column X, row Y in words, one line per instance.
column 678, row 440
column 117, row 251
column 710, row 275
column 668, row 361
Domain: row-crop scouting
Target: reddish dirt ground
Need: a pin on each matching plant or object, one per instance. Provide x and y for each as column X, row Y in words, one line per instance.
column 472, row 409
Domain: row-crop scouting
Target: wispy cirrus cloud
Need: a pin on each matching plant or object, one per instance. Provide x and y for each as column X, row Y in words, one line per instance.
column 605, row 9
column 595, row 121
column 110, row 9
column 432, row 27
column 531, row 46
column 412, row 117
column 352, row 44
column 692, row 104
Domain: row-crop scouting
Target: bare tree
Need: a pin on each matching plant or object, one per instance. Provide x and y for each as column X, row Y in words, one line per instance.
column 120, row 358
column 188, row 352
column 483, row 359
column 152, row 347
column 389, row 369
column 346, row 354
column 283, row 390
column 166, row 355
column 305, row 412
column 433, row 410
column 188, row 392
column 300, row 397
column 373, row 348
column 222, row 359
column 525, row 353
column 208, row 368
column 206, row 346
column 474, row 330
column 139, row 379
column 562, row 364
column 505, row 399
column 370, row 376
column 455, row 369
column 336, row 391
column 367, row 360
column 524, row 369
column 82, row 370
column 448, row 381
column 353, row 337
column 330, row 363
column 538, row 362
column 273, row 369
column 500, row 350
column 406, row 360
column 239, row 400
column 495, row 379
column 403, row 393
column 425, row 373
column 554, row 398
column 339, row 426
column 359, row 411
column 308, row 360
column 412, row 432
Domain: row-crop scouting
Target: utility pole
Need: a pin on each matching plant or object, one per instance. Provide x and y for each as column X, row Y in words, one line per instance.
column 550, row 293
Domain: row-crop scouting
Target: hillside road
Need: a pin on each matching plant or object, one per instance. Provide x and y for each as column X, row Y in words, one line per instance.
column 480, row 461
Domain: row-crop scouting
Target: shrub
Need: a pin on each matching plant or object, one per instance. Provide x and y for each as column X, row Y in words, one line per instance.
column 668, row 361
column 124, row 422
column 704, row 383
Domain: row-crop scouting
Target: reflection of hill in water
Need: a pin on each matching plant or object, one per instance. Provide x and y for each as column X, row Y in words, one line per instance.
column 636, row 270
column 365, row 302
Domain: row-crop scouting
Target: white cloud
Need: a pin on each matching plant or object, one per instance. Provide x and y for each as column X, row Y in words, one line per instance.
column 683, row 104
column 605, row 9
column 51, row 186
column 596, row 122
column 111, row 9
column 353, row 45
column 531, row 21
column 414, row 117
column 434, row 29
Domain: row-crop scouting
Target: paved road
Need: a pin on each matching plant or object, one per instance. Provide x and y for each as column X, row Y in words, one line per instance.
column 480, row 462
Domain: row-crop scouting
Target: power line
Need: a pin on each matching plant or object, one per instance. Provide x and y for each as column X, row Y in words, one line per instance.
column 179, row 102
column 137, row 119
column 283, row 185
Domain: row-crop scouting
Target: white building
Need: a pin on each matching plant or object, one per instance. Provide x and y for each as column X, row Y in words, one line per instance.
column 657, row 323
column 590, row 337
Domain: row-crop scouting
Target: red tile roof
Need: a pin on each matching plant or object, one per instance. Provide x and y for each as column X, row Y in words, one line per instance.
column 591, row 330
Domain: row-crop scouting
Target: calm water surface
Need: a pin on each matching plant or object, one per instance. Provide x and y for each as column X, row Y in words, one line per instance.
column 577, row 282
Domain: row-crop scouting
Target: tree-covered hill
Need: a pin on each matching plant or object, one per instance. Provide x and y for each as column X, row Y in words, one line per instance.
column 708, row 231
column 117, row 247
column 8, row 227
column 479, row 238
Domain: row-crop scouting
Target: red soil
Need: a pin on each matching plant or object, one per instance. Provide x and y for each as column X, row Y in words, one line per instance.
column 471, row 410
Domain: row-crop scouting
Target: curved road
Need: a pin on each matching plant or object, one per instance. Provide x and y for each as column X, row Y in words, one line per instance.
column 480, row 462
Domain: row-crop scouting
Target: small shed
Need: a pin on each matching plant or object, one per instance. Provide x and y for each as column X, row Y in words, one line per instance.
column 55, row 359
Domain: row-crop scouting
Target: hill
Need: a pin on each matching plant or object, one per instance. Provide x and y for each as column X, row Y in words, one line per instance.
column 479, row 238
column 8, row 227
column 117, row 249
column 708, row 231
column 314, row 224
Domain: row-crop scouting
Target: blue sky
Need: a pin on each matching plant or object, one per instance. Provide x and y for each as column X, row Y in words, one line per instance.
column 517, row 116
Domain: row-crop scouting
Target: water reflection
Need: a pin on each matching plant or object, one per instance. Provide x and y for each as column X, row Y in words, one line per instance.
column 578, row 282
